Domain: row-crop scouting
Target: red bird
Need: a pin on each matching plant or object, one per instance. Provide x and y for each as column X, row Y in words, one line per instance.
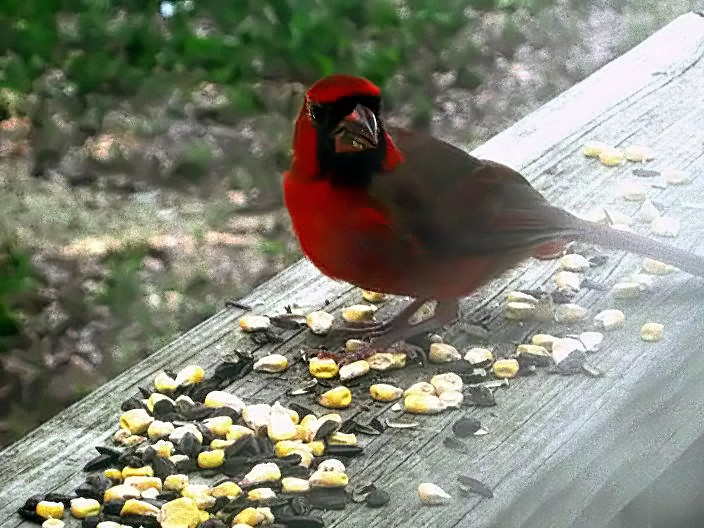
column 400, row 212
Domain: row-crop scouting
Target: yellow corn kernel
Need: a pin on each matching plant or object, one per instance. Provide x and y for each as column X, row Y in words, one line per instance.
column 164, row 383
column 138, row 507
column 420, row 387
column 136, row 421
column 119, row 492
column 176, row 482
column 352, row 345
column 211, row 459
column 372, row 296
column 143, row 483
column 328, row 479
column 592, row 149
column 221, row 443
column 254, row 516
column 320, row 322
column 163, row 448
column 190, row 375
column 271, row 363
column 323, row 368
column 443, row 353
column 218, row 425
column 144, row 471
column 611, row 157
column 294, row 485
column 478, row 356
column 113, row 474
column 200, row 493
column 226, row 489
column 422, row 403
column 180, row 513
column 317, row 447
column 354, row 370
column 235, row 432
column 47, row 509
column 359, row 312
column 264, row 472
column 519, row 311
column 261, row 494
column 284, row 448
column 447, row 381
column 505, row 368
column 381, row 361
column 543, row 340
column 338, row 438
column 337, row 398
column 82, row 508
column 158, row 429
column 254, row 323
column 385, row 392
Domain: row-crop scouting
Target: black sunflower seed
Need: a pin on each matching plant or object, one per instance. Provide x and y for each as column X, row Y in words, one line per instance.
column 326, row 428
column 133, row 402
column 163, row 467
column 476, row 486
column 301, row 521
column 327, row 498
column 480, row 396
column 99, row 462
column 377, row 498
column 343, row 450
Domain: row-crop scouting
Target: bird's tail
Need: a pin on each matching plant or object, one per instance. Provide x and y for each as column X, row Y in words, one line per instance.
column 633, row 243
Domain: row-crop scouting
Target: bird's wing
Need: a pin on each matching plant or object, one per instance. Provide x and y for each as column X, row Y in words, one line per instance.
column 454, row 204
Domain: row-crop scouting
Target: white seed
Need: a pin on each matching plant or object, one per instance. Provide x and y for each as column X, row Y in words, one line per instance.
column 591, row 340
column 451, row 399
column 519, row 296
column 254, row 323
column 652, row 331
column 359, row 312
column 448, row 381
column 179, row 432
column 164, row 383
column 657, row 267
column 665, row 226
column 479, row 356
column 320, row 322
column 281, row 425
column 626, row 290
column 569, row 313
column 564, row 346
column 354, row 370
column 609, row 319
column 531, row 350
column 443, row 353
column 568, row 280
column 397, row 407
column 257, row 416
column 54, row 523
column 265, row 472
column 592, row 149
column 271, row 363
column 518, row 311
column 638, row 153
column 648, row 212
column 261, row 494
column 675, row 177
column 574, row 262
column 352, row 345
column 617, row 218
column 633, row 191
column 432, row 494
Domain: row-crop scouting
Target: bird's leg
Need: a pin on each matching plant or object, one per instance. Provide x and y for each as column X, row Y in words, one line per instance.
column 400, row 327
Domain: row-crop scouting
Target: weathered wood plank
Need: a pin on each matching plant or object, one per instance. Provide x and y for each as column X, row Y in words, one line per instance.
column 562, row 451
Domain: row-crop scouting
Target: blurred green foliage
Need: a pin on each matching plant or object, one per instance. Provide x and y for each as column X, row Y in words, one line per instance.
column 126, row 47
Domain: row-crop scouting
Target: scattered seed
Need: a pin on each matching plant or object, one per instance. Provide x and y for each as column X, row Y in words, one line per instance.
column 479, row 357
column 448, row 381
column 646, row 173
column 432, row 494
column 652, row 331
column 323, row 368
column 568, row 280
column 591, row 340
column 638, row 153
column 543, row 340
column 648, row 212
column 569, row 313
column 337, row 398
column 354, row 370
column 385, row 392
column 574, row 262
column 398, row 424
column 422, row 403
column 656, row 267
column 633, row 190
column 562, row 349
column 593, row 149
column 533, row 355
column 271, row 363
column 254, row 323
column 451, row 399
column 610, row 156
column 443, row 353
column 519, row 311
column 371, row 296
column 505, row 368
column 626, row 290
column 466, row 426
column 359, row 313
column 675, row 177
column 609, row 319
column 320, row 322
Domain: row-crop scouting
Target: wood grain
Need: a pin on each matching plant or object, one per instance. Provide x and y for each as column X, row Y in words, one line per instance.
column 562, row 451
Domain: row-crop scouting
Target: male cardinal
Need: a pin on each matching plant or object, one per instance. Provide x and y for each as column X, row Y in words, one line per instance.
column 400, row 212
